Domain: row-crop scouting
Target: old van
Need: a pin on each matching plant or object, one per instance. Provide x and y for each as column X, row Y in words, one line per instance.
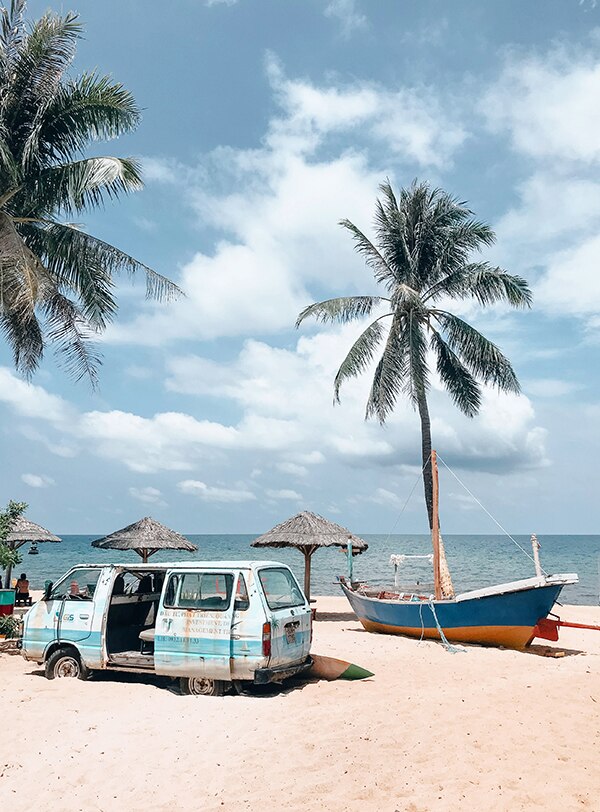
column 210, row 624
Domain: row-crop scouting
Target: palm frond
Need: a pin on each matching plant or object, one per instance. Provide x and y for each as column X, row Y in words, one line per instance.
column 481, row 356
column 24, row 336
column 43, row 56
column 342, row 309
column 484, row 283
column 390, row 375
column 80, row 185
column 72, row 243
column 360, row 355
column 88, row 108
column 77, row 266
column 72, row 337
column 456, row 378
column 373, row 258
column 12, row 29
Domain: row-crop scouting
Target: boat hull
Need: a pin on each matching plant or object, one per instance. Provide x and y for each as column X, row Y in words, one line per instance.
column 507, row 619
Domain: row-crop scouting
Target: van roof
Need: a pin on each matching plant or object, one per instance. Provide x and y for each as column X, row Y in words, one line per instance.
column 166, row 565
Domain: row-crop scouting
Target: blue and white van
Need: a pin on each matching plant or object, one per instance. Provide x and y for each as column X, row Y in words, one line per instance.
column 211, row 624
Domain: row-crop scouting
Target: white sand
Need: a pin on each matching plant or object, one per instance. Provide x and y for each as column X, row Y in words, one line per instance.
column 487, row 729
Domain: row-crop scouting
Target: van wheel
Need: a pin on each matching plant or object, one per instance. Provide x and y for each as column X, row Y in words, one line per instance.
column 65, row 662
column 201, row 686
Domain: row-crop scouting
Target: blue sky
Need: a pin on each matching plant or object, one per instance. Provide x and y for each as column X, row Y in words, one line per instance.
column 265, row 122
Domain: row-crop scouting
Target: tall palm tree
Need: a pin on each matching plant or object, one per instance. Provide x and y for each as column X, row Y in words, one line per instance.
column 422, row 256
column 56, row 281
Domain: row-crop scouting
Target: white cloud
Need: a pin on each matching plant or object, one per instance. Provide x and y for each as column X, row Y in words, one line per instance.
column 549, row 105
column 285, row 494
column 148, row 495
column 30, row 400
column 277, row 207
column 295, row 388
column 571, row 284
column 292, row 468
column 207, row 493
column 551, row 237
column 346, row 13
column 169, row 441
column 386, row 498
column 550, row 387
column 37, row 480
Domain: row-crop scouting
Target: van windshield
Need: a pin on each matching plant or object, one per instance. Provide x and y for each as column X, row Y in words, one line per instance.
column 77, row 585
column 280, row 588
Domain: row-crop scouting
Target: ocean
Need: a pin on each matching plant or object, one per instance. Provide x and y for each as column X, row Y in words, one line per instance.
column 474, row 561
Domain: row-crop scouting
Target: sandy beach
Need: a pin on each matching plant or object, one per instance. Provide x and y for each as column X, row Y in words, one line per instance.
column 493, row 729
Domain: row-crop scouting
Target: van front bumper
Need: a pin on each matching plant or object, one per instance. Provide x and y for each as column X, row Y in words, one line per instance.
column 262, row 676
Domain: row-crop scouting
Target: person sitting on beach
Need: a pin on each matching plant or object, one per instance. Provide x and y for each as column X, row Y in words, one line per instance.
column 22, row 590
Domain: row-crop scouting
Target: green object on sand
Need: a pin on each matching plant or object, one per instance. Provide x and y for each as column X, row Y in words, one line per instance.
column 355, row 672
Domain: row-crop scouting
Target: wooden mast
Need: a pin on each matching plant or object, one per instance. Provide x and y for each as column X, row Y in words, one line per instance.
column 435, row 529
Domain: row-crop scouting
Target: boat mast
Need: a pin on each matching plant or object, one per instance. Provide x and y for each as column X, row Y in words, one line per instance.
column 435, row 529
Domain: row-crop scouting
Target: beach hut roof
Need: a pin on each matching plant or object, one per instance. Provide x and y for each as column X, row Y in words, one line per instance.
column 147, row 534
column 25, row 530
column 308, row 529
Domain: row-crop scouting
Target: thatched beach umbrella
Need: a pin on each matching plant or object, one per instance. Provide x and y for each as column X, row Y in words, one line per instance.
column 22, row 532
column 145, row 537
column 307, row 532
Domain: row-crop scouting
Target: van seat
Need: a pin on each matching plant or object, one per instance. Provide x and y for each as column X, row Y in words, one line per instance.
column 147, row 635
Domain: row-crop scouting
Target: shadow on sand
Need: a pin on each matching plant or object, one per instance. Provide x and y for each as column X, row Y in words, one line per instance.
column 336, row 617
column 172, row 684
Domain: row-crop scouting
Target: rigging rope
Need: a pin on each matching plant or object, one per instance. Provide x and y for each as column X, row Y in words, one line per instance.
column 412, row 490
column 445, row 642
column 472, row 495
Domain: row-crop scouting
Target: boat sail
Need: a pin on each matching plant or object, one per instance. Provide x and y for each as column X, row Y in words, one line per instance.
column 503, row 615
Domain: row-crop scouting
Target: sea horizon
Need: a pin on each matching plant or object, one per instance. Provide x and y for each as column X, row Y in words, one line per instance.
column 475, row 560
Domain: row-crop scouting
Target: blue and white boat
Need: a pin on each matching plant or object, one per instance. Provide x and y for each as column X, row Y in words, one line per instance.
column 503, row 615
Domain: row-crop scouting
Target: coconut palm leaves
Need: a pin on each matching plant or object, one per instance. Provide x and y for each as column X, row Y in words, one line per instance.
column 422, row 256
column 57, row 283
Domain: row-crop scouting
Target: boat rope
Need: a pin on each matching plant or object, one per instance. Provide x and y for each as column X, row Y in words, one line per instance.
column 496, row 522
column 412, row 490
column 445, row 642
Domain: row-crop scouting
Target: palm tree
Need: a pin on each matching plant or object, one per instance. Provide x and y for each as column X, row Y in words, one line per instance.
column 56, row 281
column 424, row 241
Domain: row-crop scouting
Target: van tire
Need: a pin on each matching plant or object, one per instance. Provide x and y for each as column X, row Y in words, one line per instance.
column 200, row 686
column 65, row 662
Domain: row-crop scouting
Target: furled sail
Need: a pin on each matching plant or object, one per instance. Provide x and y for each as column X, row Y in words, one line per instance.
column 445, row 578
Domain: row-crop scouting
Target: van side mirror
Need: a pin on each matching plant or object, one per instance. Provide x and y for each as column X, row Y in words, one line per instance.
column 47, row 591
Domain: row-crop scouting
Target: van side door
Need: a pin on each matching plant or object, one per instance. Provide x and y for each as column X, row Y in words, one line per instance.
column 289, row 615
column 193, row 625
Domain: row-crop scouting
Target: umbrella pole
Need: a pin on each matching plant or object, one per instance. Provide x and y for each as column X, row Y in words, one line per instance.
column 307, row 552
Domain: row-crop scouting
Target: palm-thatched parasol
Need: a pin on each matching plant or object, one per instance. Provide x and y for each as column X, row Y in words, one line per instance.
column 145, row 537
column 307, row 532
column 23, row 530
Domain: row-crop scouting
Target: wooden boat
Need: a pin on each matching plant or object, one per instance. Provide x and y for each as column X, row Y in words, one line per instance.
column 502, row 615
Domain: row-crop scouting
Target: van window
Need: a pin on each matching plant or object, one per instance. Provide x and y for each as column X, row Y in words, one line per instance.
column 207, row 591
column 78, row 585
column 280, row 588
column 242, row 602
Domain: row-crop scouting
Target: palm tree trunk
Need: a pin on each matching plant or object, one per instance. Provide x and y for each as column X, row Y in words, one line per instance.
column 426, row 454
column 445, row 579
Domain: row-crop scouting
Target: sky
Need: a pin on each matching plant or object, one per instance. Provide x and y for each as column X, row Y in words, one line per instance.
column 264, row 123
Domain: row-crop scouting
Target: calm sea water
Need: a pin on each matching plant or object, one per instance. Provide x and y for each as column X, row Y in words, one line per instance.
column 475, row 561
